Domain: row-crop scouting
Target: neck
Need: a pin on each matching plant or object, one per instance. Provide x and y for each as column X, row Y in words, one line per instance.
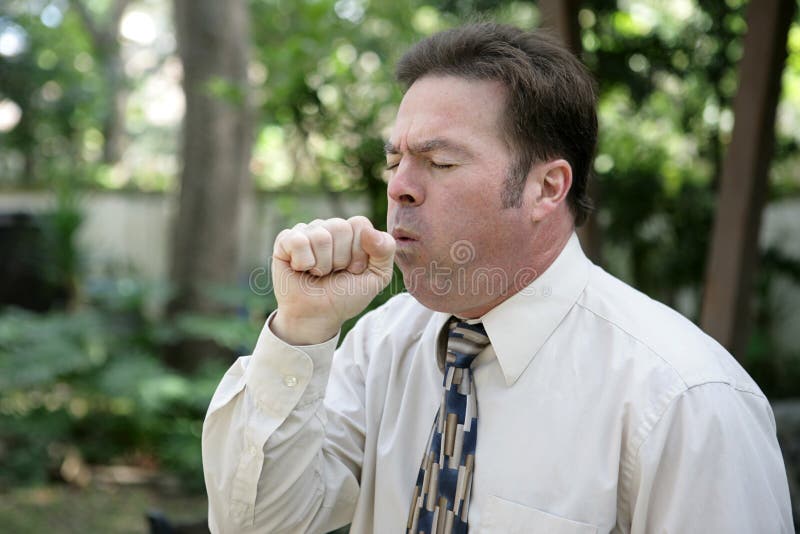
column 549, row 240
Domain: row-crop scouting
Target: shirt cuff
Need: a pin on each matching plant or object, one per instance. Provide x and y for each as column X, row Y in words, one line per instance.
column 283, row 376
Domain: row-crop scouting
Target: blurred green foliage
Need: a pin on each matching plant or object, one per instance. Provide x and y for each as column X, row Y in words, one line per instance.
column 93, row 379
column 48, row 73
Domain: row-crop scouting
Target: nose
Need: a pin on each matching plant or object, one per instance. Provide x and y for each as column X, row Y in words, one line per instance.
column 404, row 185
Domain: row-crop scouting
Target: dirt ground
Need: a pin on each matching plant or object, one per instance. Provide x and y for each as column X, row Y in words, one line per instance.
column 61, row 509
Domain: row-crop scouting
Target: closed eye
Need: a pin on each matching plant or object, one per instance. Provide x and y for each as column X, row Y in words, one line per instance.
column 391, row 166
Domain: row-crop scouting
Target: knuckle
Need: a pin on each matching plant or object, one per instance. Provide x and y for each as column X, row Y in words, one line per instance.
column 319, row 236
column 339, row 228
column 295, row 240
column 337, row 223
column 280, row 239
column 359, row 221
column 283, row 235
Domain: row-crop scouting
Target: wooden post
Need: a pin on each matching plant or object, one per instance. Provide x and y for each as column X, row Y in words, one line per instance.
column 734, row 246
column 561, row 16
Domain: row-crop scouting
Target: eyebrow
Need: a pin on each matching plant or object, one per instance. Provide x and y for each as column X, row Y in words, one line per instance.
column 427, row 146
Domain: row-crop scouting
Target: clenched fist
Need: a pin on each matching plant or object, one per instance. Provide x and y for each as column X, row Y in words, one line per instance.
column 326, row 272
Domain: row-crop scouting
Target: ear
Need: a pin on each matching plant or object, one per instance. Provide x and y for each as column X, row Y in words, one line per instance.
column 553, row 180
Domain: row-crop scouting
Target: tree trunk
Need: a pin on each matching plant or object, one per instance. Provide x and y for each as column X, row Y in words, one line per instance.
column 114, row 123
column 104, row 34
column 733, row 255
column 213, row 43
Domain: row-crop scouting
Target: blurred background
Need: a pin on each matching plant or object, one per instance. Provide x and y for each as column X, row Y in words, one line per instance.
column 150, row 151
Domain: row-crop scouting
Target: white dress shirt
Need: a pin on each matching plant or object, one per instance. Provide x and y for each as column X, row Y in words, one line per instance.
column 600, row 410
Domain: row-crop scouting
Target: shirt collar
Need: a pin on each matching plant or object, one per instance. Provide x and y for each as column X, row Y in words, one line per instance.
column 520, row 325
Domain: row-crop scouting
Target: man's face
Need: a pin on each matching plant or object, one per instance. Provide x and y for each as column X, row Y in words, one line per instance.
column 460, row 251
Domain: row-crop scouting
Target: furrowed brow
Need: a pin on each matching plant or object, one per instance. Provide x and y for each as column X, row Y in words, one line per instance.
column 433, row 144
column 429, row 145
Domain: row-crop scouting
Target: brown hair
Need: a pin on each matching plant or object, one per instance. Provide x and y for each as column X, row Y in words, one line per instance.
column 551, row 103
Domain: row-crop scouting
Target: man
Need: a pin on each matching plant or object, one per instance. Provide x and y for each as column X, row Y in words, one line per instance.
column 516, row 387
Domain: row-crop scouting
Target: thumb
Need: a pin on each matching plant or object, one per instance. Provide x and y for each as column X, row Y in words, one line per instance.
column 380, row 248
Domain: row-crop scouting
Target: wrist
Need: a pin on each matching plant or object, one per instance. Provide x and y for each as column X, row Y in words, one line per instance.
column 303, row 330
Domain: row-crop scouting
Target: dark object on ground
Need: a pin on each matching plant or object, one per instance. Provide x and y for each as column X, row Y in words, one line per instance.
column 159, row 524
column 27, row 279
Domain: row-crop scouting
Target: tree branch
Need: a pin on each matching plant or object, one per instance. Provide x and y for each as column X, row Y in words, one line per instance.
column 117, row 10
column 106, row 35
column 88, row 22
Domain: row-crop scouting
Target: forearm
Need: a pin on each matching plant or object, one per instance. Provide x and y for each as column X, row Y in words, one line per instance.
column 263, row 439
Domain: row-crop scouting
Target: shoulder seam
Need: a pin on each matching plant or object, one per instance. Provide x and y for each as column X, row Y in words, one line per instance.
column 647, row 430
column 637, row 339
column 732, row 386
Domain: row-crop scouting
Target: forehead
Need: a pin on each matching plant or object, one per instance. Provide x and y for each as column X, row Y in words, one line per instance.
column 449, row 106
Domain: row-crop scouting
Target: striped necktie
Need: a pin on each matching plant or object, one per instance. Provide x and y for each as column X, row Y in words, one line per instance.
column 441, row 497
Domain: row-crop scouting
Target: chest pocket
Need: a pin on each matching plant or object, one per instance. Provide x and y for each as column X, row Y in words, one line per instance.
column 505, row 517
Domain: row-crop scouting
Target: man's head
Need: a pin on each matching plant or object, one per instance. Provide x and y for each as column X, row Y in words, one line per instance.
column 550, row 97
column 482, row 158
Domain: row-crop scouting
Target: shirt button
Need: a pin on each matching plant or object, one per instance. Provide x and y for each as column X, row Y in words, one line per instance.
column 290, row 381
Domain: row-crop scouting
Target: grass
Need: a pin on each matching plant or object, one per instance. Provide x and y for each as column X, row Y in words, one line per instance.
column 61, row 509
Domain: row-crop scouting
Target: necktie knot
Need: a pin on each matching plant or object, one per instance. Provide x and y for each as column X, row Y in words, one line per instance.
column 465, row 341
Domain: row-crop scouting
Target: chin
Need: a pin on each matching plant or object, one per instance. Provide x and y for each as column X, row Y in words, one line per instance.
column 434, row 302
column 440, row 300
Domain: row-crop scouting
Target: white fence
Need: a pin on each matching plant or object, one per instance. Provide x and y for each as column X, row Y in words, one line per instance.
column 132, row 231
